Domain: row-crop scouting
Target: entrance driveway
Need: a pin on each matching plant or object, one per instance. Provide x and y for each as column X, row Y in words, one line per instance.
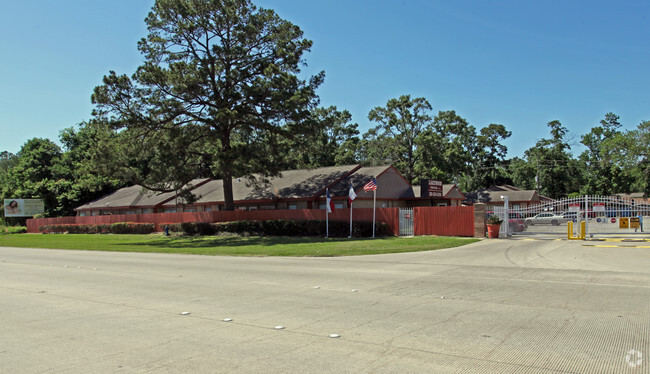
column 497, row 306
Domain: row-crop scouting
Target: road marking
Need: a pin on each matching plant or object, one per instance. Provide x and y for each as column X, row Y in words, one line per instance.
column 615, row 246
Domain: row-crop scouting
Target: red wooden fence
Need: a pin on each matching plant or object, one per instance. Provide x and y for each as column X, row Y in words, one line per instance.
column 388, row 215
column 444, row 221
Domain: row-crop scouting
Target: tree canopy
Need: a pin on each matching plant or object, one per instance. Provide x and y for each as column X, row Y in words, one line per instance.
column 220, row 82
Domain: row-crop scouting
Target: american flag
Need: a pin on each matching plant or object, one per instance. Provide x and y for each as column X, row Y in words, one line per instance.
column 371, row 186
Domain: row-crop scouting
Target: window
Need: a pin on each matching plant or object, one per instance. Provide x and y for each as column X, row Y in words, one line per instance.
column 293, row 206
column 170, row 210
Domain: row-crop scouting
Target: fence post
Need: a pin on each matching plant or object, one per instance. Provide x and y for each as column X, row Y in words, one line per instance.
column 586, row 214
column 506, row 216
column 479, row 220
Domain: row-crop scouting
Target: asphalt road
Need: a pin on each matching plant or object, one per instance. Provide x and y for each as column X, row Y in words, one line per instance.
column 498, row 306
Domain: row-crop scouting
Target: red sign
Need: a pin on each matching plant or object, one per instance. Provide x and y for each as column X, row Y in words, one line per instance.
column 599, row 207
column 407, row 216
column 613, row 220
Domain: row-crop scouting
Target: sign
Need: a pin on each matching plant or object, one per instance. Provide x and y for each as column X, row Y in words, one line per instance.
column 624, row 223
column 574, row 207
column 407, row 216
column 599, row 207
column 431, row 188
column 613, row 219
column 634, row 223
column 23, row 207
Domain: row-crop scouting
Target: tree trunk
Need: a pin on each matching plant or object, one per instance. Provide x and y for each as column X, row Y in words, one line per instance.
column 227, row 191
column 226, row 171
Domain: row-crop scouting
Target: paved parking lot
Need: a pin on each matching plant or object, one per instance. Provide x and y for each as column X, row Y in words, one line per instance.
column 498, row 306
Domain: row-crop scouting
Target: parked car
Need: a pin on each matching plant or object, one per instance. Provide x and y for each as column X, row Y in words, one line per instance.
column 570, row 216
column 546, row 218
column 515, row 221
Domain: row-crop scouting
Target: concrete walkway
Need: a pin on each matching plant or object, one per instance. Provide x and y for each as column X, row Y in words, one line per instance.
column 497, row 306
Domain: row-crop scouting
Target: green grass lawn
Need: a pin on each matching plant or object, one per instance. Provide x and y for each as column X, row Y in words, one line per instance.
column 233, row 245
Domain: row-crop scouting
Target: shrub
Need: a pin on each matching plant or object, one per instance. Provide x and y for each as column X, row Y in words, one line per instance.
column 281, row 227
column 132, row 228
column 240, row 227
column 4, row 230
column 115, row 228
column 494, row 220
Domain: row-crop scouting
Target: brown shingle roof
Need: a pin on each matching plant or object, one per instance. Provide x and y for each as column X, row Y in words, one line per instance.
column 291, row 184
column 134, row 196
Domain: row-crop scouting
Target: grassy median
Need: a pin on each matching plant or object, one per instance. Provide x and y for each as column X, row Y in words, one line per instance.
column 234, row 245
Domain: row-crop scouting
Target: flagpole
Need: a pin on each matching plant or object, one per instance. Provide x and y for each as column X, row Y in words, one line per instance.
column 327, row 214
column 350, row 219
column 374, row 204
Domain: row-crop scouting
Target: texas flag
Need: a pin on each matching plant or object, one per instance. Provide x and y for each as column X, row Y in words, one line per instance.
column 352, row 195
column 330, row 203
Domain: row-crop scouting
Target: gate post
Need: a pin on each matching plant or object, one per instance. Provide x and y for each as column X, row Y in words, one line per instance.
column 586, row 215
column 479, row 220
column 506, row 217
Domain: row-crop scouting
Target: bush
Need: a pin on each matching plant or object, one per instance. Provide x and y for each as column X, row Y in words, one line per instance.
column 132, row 228
column 115, row 228
column 5, row 230
column 280, row 227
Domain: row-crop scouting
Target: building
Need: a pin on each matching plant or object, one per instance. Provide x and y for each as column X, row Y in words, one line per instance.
column 293, row 189
column 495, row 196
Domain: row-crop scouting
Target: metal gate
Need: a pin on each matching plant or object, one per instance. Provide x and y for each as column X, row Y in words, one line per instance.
column 406, row 220
column 603, row 216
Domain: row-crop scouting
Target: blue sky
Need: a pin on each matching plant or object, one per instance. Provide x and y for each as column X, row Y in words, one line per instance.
column 517, row 63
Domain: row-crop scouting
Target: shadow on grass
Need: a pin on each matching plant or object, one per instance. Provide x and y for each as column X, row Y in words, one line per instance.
column 236, row 241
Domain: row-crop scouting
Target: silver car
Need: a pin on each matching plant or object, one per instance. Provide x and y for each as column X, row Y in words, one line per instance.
column 546, row 218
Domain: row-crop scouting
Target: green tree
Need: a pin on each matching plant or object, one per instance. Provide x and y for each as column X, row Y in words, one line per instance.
column 522, row 173
column 641, row 140
column 219, row 78
column 556, row 172
column 35, row 174
column 394, row 139
column 487, row 164
column 79, row 180
column 7, row 161
column 604, row 176
column 334, row 141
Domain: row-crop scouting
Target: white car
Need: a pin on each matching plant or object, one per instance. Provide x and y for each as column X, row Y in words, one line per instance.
column 547, row 218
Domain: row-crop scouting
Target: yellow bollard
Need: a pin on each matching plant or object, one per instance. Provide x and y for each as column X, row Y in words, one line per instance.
column 581, row 234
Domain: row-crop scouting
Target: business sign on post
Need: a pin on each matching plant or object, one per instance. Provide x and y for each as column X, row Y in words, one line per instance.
column 431, row 188
column 23, row 207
